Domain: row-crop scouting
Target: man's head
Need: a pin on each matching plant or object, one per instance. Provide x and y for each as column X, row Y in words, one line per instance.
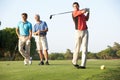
column 76, row 6
column 37, row 17
column 24, row 16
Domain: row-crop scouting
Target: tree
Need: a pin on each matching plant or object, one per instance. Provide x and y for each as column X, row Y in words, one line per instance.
column 33, row 47
column 91, row 55
column 68, row 54
column 8, row 41
column 110, row 52
column 56, row 56
column 118, row 53
column 116, row 46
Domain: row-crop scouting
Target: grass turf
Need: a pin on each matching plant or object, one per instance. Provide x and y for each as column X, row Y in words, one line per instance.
column 59, row 70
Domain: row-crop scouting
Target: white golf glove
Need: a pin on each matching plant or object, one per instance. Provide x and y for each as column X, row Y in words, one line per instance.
column 87, row 9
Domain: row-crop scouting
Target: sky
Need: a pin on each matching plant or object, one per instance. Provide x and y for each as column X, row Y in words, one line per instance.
column 103, row 25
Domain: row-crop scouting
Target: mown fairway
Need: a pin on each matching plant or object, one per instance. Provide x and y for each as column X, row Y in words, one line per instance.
column 60, row 70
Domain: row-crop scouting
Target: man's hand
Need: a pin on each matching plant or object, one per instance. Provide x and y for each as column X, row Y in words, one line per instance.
column 18, row 35
column 37, row 33
column 34, row 33
column 30, row 37
column 88, row 14
column 17, row 32
column 30, row 34
column 87, row 10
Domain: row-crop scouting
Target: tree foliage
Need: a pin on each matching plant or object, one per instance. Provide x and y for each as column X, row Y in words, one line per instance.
column 68, row 54
column 110, row 52
column 8, row 42
column 56, row 56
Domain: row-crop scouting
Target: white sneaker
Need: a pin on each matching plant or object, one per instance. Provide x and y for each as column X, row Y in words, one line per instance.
column 25, row 62
column 30, row 61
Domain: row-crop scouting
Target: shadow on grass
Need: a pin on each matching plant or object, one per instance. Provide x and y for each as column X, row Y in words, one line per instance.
column 111, row 74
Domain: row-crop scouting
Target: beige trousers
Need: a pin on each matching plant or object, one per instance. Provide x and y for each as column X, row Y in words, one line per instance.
column 81, row 38
column 24, row 47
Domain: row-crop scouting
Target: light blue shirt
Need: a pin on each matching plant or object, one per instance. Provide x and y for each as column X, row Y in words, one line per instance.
column 24, row 28
column 40, row 26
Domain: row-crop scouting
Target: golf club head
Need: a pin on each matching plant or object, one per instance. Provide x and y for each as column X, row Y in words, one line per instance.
column 51, row 16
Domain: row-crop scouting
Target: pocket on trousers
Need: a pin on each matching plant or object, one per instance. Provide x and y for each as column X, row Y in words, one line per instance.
column 37, row 38
column 21, row 39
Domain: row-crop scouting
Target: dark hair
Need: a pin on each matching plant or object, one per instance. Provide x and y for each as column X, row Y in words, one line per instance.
column 25, row 14
column 76, row 3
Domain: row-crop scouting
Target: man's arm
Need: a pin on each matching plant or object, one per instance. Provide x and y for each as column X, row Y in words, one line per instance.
column 17, row 32
column 46, row 30
column 30, row 31
column 77, row 13
column 87, row 16
column 46, row 27
column 30, row 34
column 37, row 32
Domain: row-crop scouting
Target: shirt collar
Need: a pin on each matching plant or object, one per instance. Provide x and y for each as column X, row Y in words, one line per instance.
column 24, row 22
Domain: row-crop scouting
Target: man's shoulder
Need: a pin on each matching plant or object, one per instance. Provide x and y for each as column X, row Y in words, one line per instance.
column 19, row 22
column 43, row 22
column 29, row 23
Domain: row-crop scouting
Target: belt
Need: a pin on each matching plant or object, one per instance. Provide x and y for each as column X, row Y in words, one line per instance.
column 40, row 35
column 24, row 35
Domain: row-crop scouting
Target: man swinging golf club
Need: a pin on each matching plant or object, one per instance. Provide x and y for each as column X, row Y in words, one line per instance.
column 81, row 34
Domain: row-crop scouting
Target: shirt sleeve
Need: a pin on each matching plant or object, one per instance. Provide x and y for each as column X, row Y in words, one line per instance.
column 30, row 27
column 18, row 25
column 77, row 13
column 34, row 30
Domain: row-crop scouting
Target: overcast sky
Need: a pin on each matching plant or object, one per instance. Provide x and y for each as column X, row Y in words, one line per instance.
column 103, row 25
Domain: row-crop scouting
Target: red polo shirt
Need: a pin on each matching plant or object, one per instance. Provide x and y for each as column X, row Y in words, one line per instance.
column 80, row 20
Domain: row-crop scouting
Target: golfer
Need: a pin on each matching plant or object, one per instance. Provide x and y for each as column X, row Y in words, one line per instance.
column 40, row 31
column 81, row 34
column 24, row 33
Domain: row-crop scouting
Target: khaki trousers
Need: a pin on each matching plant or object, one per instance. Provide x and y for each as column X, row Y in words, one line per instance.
column 81, row 38
column 24, row 47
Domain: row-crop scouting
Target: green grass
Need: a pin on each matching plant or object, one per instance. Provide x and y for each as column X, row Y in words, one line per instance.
column 59, row 70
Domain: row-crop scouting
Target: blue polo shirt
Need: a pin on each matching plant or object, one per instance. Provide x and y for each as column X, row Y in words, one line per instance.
column 40, row 26
column 24, row 28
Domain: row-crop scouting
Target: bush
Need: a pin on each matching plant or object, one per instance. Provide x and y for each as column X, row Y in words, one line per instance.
column 56, row 56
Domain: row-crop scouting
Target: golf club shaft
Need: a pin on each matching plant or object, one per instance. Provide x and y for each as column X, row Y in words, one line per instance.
column 62, row 13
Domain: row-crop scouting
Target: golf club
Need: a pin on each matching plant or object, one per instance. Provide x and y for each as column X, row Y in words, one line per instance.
column 87, row 9
column 59, row 14
column 0, row 23
column 15, row 50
